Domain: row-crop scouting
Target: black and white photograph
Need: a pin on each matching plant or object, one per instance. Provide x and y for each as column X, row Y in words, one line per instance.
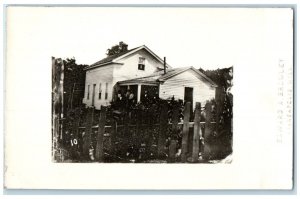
column 131, row 106
column 145, row 97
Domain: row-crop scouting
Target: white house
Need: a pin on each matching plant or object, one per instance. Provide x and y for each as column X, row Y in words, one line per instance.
column 141, row 70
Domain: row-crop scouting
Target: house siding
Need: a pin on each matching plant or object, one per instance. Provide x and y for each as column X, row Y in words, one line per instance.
column 202, row 91
column 96, row 76
column 129, row 69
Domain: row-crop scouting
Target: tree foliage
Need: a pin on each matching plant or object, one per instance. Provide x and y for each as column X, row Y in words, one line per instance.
column 222, row 77
column 74, row 80
column 224, row 103
column 116, row 49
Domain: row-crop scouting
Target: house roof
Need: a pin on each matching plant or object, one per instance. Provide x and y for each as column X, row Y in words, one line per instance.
column 174, row 72
column 109, row 59
column 159, row 76
column 114, row 58
column 144, row 80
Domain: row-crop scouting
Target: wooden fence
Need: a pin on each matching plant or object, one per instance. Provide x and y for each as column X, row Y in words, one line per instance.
column 159, row 130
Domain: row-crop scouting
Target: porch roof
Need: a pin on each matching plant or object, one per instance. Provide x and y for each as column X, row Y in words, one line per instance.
column 148, row 80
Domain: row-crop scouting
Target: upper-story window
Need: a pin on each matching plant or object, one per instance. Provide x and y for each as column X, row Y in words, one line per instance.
column 141, row 65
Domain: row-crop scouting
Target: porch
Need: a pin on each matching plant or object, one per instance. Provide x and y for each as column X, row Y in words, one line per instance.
column 141, row 88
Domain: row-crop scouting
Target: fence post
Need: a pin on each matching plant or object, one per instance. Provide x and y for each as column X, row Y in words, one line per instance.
column 57, row 104
column 101, row 129
column 174, row 135
column 172, row 151
column 219, row 104
column 185, row 132
column 197, row 132
column 88, row 133
column 147, row 132
column 138, row 127
column 151, row 131
column 125, row 136
column 175, row 120
column 76, row 123
column 163, row 125
column 113, row 133
column 207, row 131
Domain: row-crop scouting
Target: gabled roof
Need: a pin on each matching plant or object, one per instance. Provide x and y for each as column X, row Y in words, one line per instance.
column 109, row 59
column 159, row 76
column 177, row 71
column 114, row 58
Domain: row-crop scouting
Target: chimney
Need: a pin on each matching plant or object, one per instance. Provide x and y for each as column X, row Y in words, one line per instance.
column 165, row 67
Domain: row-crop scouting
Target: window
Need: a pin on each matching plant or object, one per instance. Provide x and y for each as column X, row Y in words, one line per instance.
column 93, row 95
column 106, row 90
column 141, row 65
column 100, row 91
column 88, row 92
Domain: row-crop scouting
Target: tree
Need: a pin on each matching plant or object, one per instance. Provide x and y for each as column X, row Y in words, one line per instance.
column 74, row 80
column 223, row 113
column 219, row 76
column 116, row 49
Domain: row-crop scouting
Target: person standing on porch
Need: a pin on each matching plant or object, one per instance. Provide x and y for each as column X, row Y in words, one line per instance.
column 131, row 100
column 155, row 98
column 127, row 94
column 146, row 99
column 120, row 102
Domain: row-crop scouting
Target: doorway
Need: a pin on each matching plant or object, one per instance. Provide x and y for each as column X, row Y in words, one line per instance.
column 188, row 96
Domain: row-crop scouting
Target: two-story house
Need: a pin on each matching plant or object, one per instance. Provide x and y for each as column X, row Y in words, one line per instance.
column 140, row 70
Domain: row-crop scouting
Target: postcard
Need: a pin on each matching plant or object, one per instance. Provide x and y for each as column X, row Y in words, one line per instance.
column 149, row 98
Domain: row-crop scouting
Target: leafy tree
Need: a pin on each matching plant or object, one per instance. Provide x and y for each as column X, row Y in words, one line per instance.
column 224, row 103
column 116, row 49
column 74, row 80
column 222, row 77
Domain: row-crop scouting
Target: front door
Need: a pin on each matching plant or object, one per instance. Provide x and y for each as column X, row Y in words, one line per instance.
column 93, row 96
column 188, row 96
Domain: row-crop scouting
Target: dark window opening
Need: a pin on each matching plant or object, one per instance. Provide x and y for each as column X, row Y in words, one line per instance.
column 106, row 90
column 141, row 65
column 93, row 99
column 100, row 91
column 88, row 92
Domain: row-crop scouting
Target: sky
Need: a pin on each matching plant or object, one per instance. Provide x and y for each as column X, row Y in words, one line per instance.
column 209, row 38
column 199, row 37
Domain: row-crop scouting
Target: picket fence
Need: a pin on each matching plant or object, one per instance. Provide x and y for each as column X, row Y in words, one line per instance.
column 192, row 132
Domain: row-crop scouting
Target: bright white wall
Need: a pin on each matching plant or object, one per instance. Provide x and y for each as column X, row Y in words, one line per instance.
column 129, row 69
column 96, row 76
column 202, row 91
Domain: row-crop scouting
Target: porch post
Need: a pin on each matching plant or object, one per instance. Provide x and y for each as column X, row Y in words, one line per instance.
column 139, row 93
